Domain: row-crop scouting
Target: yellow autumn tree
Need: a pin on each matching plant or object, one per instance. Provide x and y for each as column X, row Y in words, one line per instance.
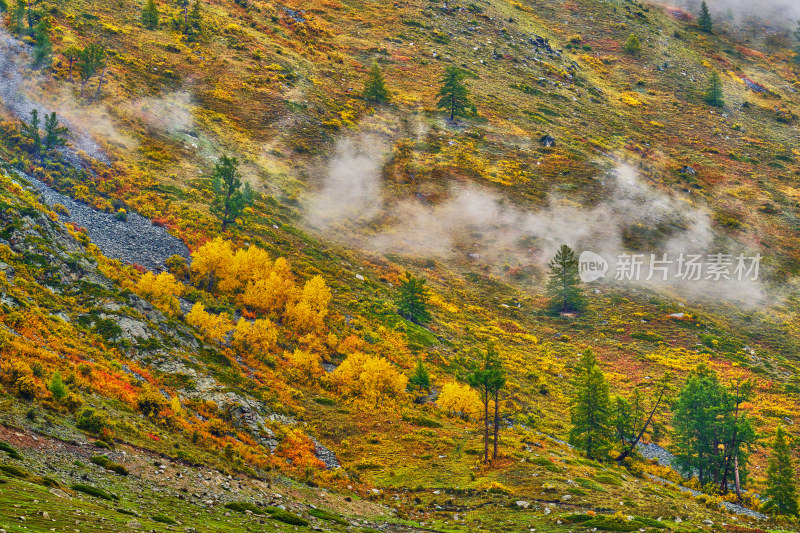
column 212, row 327
column 259, row 337
column 305, row 366
column 370, row 378
column 271, row 294
column 212, row 263
column 162, row 291
column 307, row 314
column 458, row 399
column 248, row 264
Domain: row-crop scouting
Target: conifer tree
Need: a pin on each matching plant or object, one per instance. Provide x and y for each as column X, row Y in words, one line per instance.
column 230, row 197
column 53, row 132
column 563, row 288
column 454, row 95
column 591, row 410
column 90, row 60
column 704, row 21
column 713, row 435
column 375, row 86
column 781, row 490
column 420, row 379
column 714, row 94
column 150, row 15
column 71, row 53
column 633, row 45
column 412, row 302
column 194, row 23
column 43, row 49
column 30, row 131
column 57, row 387
column 488, row 378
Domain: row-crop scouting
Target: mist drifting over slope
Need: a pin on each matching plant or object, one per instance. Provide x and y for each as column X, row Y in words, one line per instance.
column 778, row 12
column 481, row 225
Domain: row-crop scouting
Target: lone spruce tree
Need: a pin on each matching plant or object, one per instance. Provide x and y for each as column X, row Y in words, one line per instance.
column 150, row 15
column 454, row 95
column 230, row 197
column 563, row 288
column 375, row 87
column 590, row 413
column 30, row 130
column 704, row 21
column 714, row 96
column 781, row 490
column 412, row 300
column 420, row 379
column 53, row 132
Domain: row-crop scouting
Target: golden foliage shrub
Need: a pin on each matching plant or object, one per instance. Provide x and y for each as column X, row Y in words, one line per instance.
column 212, row 327
column 307, row 315
column 259, row 337
column 270, row 294
column 18, row 375
column 305, row 366
column 211, row 264
column 461, row 400
column 162, row 291
column 369, row 378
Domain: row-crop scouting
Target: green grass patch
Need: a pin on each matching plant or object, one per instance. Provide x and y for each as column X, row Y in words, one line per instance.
column 13, row 471
column 14, row 454
column 286, row 517
column 608, row 480
column 164, row 519
column 330, row 517
column 108, row 464
column 94, row 491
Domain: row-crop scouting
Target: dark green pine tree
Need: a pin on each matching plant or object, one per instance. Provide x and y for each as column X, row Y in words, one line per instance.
column 375, row 86
column 420, row 379
column 43, row 47
column 712, row 433
column 57, row 387
column 454, row 94
column 704, row 21
column 150, row 15
column 53, row 132
column 623, row 420
column 30, row 131
column 488, row 378
column 590, row 412
column 194, row 23
column 781, row 490
column 563, row 287
column 714, row 94
column 230, row 197
column 412, row 301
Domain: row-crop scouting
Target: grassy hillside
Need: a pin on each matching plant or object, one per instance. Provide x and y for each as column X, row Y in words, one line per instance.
column 278, row 86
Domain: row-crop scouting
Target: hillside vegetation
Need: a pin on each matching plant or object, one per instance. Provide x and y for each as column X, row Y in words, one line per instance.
column 297, row 342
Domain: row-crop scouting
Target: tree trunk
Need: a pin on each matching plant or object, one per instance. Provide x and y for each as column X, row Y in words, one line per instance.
column 736, row 477
column 71, row 60
column 724, row 484
column 627, row 452
column 83, row 85
column 486, row 430
column 102, row 75
column 496, row 423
